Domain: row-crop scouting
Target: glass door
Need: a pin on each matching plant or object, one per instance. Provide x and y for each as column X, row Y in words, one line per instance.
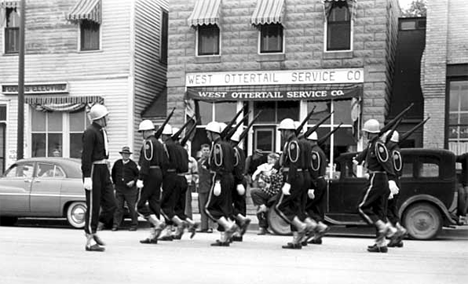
column 264, row 138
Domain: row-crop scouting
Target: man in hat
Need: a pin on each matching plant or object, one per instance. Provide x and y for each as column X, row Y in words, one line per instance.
column 124, row 175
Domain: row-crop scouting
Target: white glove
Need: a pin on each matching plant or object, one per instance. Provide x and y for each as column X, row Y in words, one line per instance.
column 240, row 189
column 393, row 187
column 140, row 183
column 286, row 188
column 311, row 194
column 88, row 183
column 217, row 188
column 355, row 162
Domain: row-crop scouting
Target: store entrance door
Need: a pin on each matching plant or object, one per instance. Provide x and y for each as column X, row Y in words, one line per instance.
column 264, row 138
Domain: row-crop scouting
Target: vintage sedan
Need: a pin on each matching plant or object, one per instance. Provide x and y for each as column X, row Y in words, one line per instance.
column 43, row 187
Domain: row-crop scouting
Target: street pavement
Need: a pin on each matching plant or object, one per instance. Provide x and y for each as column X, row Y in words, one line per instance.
column 39, row 254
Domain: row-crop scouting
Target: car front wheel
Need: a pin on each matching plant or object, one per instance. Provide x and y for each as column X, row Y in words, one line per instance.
column 76, row 214
column 423, row 221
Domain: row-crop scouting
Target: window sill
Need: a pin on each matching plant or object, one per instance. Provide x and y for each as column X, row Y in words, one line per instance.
column 337, row 54
column 10, row 54
column 208, row 59
column 90, row 51
column 265, row 57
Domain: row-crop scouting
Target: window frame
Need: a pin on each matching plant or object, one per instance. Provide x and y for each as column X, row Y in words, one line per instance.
column 260, row 40
column 447, row 138
column 164, row 37
column 5, row 32
column 197, row 41
column 351, row 32
column 80, row 36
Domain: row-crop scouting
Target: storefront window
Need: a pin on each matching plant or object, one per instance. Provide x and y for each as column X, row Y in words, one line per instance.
column 458, row 117
column 274, row 112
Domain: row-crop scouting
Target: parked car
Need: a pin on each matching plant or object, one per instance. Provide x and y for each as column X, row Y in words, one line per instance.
column 43, row 187
column 427, row 199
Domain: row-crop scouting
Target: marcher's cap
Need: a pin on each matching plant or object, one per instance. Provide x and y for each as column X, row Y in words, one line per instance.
column 371, row 126
column 98, row 111
column 213, row 126
column 146, row 125
column 312, row 136
column 125, row 150
column 167, row 130
column 287, row 124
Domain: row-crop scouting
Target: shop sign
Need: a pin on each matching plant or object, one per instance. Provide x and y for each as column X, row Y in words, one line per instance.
column 328, row 93
column 36, row 89
column 290, row 77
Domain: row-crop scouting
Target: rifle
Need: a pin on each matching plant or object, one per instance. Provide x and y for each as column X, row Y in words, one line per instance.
column 161, row 128
column 309, row 115
column 316, row 126
column 188, row 134
column 176, row 135
column 233, row 130
column 324, row 138
column 408, row 134
column 230, row 124
column 245, row 132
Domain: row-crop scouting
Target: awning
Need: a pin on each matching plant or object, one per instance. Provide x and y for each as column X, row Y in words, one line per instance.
column 352, row 7
column 158, row 107
column 268, row 12
column 86, row 10
column 205, row 12
column 62, row 104
column 9, row 4
column 316, row 92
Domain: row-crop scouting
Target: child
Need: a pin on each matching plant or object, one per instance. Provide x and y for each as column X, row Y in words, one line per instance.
column 265, row 172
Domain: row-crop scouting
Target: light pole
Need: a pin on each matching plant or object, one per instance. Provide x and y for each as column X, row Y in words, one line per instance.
column 20, row 144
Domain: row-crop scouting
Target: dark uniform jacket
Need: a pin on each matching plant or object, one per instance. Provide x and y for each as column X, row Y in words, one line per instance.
column 463, row 159
column 182, row 163
column 239, row 165
column 153, row 155
column 172, row 154
column 221, row 157
column 93, row 148
column 291, row 159
column 397, row 162
column 378, row 158
column 318, row 162
column 124, row 173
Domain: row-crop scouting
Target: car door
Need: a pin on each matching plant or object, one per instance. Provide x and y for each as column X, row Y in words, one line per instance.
column 15, row 189
column 46, row 188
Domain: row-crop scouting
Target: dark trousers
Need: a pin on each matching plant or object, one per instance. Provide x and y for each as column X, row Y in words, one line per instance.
column 304, row 197
column 205, row 222
column 99, row 199
column 182, row 187
column 123, row 194
column 260, row 197
column 315, row 208
column 169, row 197
column 372, row 205
column 288, row 206
column 150, row 193
column 220, row 206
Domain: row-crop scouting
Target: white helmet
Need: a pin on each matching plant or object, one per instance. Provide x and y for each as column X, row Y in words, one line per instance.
column 213, row 126
column 313, row 136
column 287, row 123
column 236, row 136
column 297, row 124
column 395, row 136
column 167, row 130
column 97, row 111
column 222, row 126
column 174, row 130
column 371, row 126
column 146, row 125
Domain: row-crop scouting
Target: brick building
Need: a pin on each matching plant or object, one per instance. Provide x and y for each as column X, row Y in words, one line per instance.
column 444, row 75
column 283, row 58
column 79, row 52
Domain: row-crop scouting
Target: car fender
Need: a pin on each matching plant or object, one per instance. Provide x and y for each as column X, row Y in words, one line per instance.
column 426, row 198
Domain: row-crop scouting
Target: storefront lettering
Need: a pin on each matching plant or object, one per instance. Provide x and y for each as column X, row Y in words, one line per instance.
column 314, row 76
column 250, row 78
column 212, row 94
column 257, row 95
column 199, row 79
column 58, row 88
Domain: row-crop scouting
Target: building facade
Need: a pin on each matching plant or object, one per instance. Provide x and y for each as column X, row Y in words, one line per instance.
column 282, row 59
column 444, row 76
column 77, row 53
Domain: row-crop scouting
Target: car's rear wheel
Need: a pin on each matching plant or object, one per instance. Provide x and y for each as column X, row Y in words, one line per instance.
column 423, row 221
column 277, row 224
column 8, row 221
column 76, row 214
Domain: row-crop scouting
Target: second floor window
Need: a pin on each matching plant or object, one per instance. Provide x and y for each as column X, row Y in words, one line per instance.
column 89, row 35
column 12, row 31
column 271, row 38
column 339, row 27
column 208, row 40
column 164, row 36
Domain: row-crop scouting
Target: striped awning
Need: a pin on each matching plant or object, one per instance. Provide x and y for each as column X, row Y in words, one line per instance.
column 328, row 5
column 9, row 4
column 63, row 100
column 268, row 12
column 86, row 10
column 205, row 12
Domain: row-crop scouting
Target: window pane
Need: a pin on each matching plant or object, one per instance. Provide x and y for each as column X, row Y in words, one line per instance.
column 77, row 121
column 164, row 36
column 322, row 109
column 89, row 35
column 342, row 111
column 54, row 121
column 76, row 145
column 224, row 112
column 339, row 36
column 11, row 40
column 271, row 39
column 55, row 145
column 38, row 121
column 268, row 111
column 206, row 112
column 2, row 113
column 38, row 145
column 208, row 40
column 287, row 109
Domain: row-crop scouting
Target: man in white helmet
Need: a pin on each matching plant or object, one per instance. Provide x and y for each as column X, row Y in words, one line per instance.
column 372, row 205
column 221, row 164
column 96, row 177
column 153, row 160
column 288, row 206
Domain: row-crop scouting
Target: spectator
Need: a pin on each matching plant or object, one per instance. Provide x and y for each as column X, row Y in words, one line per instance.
column 462, row 207
column 204, row 185
column 251, row 164
column 124, row 175
column 192, row 177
